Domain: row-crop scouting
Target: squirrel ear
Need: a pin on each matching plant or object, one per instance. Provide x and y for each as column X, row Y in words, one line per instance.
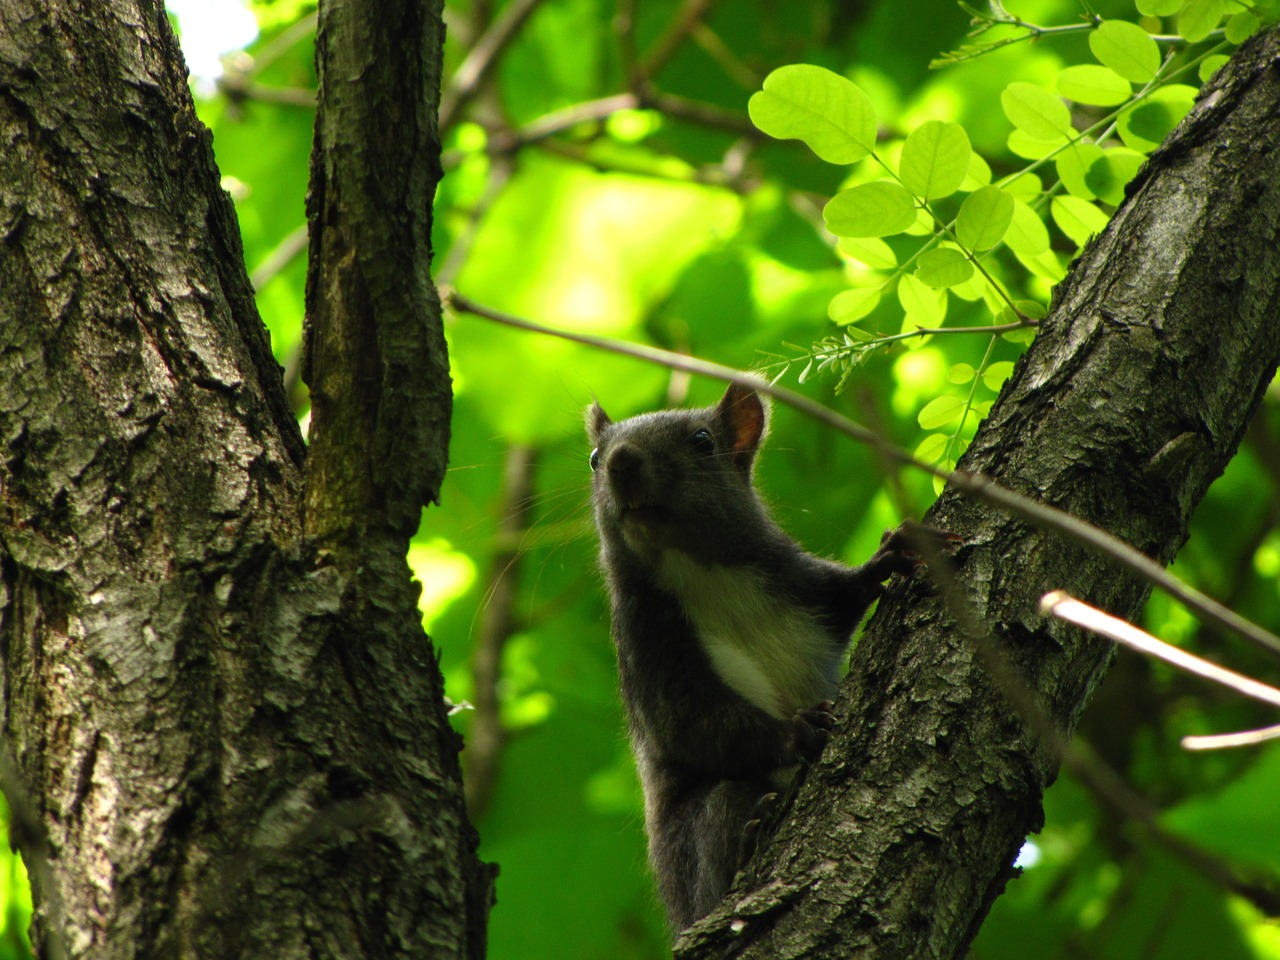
column 597, row 420
column 745, row 417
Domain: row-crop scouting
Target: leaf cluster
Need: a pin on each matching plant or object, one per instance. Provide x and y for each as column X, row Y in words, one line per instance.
column 998, row 241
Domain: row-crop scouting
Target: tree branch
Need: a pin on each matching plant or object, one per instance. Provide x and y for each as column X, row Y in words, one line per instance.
column 906, row 831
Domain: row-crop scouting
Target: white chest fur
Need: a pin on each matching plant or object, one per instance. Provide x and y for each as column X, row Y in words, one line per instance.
column 774, row 654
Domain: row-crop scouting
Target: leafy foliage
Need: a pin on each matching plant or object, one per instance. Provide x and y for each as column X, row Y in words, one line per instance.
column 965, row 253
column 609, row 178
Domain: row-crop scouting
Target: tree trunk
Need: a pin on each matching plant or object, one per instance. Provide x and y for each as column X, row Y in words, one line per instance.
column 1129, row 403
column 224, row 731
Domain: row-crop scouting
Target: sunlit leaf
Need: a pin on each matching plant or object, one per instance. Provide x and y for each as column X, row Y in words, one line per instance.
column 984, row 217
column 935, row 159
column 1036, row 111
column 979, row 174
column 1073, row 163
column 872, row 251
column 1211, row 65
column 996, row 374
column 961, row 373
column 1093, row 84
column 875, row 209
column 1046, row 265
column 941, row 412
column 1240, row 27
column 944, row 267
column 932, row 447
column 1029, row 148
column 1144, row 126
column 1023, row 186
column 1127, row 49
column 1108, row 175
column 1027, row 235
column 1199, row 18
column 850, row 306
column 924, row 306
column 1159, row 8
column 828, row 112
column 924, row 224
column 1078, row 219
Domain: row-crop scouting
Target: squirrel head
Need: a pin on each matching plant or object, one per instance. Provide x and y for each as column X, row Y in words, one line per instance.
column 677, row 478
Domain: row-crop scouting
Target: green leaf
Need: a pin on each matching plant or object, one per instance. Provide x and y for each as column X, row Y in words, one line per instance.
column 974, row 288
column 961, row 373
column 935, row 159
column 932, row 448
column 1036, row 111
column 1090, row 83
column 983, row 218
column 1108, row 175
column 850, row 306
column 941, row 412
column 872, row 251
column 1144, row 126
column 1159, row 8
column 979, row 174
column 1078, row 219
column 1211, row 65
column 1023, row 186
column 1029, row 148
column 943, row 268
column 1045, row 265
column 1127, row 49
column 1199, row 18
column 875, row 209
column 1240, row 28
column 1027, row 235
column 828, row 112
column 923, row 306
column 1073, row 163
column 996, row 374
column 924, row 225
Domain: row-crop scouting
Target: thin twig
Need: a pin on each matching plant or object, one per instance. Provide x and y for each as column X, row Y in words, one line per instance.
column 479, row 63
column 686, row 20
column 488, row 736
column 281, row 256
column 1066, row 607
column 1038, row 514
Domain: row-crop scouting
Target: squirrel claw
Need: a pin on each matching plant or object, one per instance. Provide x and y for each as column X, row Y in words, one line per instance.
column 813, row 725
column 764, row 810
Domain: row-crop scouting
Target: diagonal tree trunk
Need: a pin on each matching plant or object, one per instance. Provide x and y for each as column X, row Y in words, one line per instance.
column 224, row 732
column 1126, row 407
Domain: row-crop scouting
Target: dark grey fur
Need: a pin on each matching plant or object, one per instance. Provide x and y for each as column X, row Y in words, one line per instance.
column 681, row 524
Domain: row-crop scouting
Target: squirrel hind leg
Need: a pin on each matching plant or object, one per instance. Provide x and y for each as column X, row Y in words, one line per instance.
column 696, row 848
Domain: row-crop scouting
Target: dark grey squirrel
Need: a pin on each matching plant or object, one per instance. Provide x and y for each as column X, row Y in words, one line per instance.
column 729, row 635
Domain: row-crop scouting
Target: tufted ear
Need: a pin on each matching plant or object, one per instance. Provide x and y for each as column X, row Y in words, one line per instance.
column 745, row 419
column 597, row 420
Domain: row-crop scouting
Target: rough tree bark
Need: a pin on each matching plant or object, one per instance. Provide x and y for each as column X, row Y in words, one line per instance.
column 224, row 732
column 1129, row 403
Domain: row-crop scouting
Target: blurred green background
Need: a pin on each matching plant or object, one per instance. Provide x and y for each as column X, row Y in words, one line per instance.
column 671, row 225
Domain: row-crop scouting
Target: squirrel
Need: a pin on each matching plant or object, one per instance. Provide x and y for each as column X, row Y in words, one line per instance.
column 729, row 635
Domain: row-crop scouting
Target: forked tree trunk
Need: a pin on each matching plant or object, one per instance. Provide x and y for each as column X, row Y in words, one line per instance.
column 224, row 731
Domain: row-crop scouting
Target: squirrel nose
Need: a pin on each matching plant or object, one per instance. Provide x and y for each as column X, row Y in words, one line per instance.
column 625, row 468
column 624, row 461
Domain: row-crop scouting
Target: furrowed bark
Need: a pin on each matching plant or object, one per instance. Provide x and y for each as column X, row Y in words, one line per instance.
column 221, row 737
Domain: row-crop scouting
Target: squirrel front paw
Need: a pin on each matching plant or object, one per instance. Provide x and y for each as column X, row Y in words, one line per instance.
column 898, row 552
column 811, row 727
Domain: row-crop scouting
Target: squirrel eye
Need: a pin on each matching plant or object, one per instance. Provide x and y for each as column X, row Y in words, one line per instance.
column 704, row 442
column 595, row 459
